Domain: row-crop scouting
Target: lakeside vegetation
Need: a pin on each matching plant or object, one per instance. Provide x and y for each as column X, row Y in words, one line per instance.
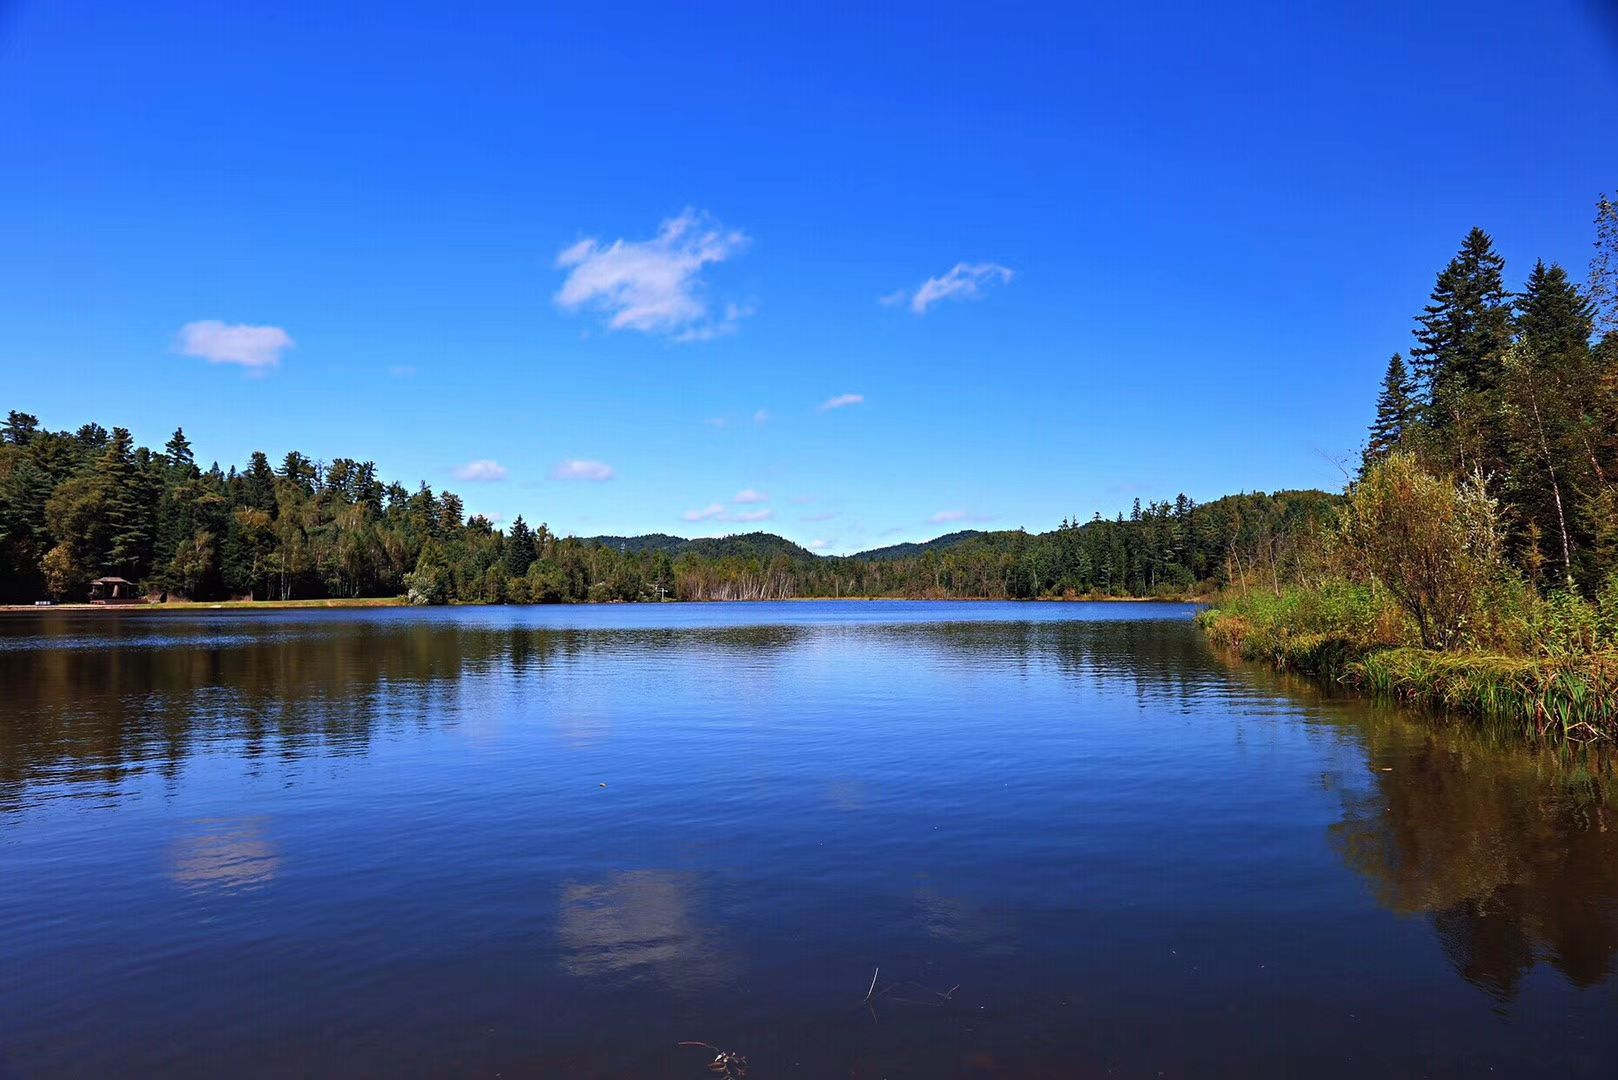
column 1473, row 566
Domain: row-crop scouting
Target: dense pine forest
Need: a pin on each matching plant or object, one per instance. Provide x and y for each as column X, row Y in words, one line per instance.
column 77, row 505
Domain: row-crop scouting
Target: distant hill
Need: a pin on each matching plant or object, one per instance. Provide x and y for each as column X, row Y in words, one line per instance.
column 909, row 551
column 745, row 545
column 1293, row 505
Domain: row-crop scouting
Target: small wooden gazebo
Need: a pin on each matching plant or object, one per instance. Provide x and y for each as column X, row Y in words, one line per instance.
column 113, row 590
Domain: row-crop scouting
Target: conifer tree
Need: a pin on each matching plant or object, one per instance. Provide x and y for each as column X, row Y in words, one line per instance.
column 1395, row 406
column 129, row 522
column 258, row 483
column 519, row 551
column 1552, row 314
column 1463, row 336
column 19, row 428
column 178, row 452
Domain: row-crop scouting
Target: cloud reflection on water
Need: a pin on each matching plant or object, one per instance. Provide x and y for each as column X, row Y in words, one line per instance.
column 640, row 924
column 228, row 855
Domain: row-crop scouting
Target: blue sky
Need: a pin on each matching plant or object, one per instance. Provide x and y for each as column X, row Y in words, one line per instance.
column 1048, row 259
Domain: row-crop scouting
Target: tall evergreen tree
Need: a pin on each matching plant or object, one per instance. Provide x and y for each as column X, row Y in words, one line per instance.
column 1463, row 336
column 19, row 428
column 519, row 550
column 1395, row 407
column 128, row 516
column 258, row 484
column 178, row 452
column 1552, row 314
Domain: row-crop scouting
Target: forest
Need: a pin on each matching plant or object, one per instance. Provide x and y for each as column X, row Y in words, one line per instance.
column 77, row 505
column 1474, row 560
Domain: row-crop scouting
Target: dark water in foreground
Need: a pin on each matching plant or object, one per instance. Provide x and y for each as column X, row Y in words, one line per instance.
column 554, row 842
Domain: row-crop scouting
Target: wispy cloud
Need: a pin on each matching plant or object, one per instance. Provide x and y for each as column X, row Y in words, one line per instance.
column 720, row 512
column 824, row 515
column 947, row 516
column 256, row 348
column 819, row 545
column 841, row 401
column 759, row 418
column 482, row 471
column 402, row 371
column 711, row 512
column 655, row 286
column 965, row 281
column 750, row 495
column 583, row 469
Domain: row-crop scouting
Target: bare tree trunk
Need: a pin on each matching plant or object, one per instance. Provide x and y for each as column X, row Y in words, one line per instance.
column 1556, row 487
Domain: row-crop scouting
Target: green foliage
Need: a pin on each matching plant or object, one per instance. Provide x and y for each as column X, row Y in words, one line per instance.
column 1574, row 697
column 1395, row 412
column 1462, row 333
column 74, row 506
column 1433, row 546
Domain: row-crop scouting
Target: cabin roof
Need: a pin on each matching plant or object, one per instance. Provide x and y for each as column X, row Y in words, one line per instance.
column 111, row 581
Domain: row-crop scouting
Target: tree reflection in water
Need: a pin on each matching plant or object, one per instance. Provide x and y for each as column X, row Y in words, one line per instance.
column 1512, row 853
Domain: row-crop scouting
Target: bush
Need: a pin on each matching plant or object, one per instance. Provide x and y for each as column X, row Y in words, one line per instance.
column 1435, row 547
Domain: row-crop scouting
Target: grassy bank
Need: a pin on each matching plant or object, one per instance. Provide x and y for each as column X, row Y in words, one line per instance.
column 1562, row 685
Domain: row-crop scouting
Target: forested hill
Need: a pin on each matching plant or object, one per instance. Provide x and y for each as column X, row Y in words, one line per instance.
column 747, row 545
column 76, row 505
column 907, row 551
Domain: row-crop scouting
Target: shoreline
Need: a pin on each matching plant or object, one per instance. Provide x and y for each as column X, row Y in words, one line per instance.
column 1570, row 699
column 399, row 601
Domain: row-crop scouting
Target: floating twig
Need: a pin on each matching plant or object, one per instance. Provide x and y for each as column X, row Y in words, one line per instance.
column 872, row 989
column 726, row 1063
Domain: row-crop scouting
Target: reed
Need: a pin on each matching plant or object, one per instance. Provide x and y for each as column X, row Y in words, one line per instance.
column 1571, row 696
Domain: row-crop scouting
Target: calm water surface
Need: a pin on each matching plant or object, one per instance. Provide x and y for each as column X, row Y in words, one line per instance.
column 557, row 841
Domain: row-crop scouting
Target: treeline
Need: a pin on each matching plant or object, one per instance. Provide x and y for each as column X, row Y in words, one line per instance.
column 1474, row 563
column 78, row 505
column 1521, row 391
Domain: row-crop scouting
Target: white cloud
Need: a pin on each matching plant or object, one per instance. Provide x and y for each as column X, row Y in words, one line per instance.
column 256, row 348
column 482, row 471
column 965, row 281
column 761, row 417
column 711, row 512
column 946, row 516
column 654, row 286
column 841, row 401
column 749, row 495
column 719, row 512
column 819, row 545
column 583, row 469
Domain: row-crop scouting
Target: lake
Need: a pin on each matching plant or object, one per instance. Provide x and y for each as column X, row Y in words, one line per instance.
column 1068, row 839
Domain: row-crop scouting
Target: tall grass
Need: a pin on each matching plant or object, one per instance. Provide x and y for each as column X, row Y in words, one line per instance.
column 1543, row 668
